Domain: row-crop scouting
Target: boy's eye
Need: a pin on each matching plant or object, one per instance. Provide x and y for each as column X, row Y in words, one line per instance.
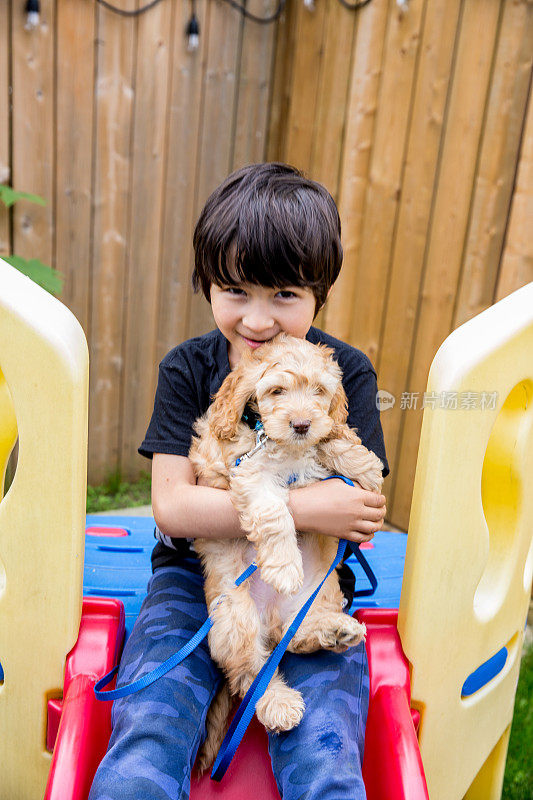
column 285, row 294
column 235, row 290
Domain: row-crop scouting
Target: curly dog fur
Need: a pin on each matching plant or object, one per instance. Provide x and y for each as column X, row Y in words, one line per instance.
column 296, row 387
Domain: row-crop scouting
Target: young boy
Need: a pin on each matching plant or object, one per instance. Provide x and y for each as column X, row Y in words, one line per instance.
column 267, row 251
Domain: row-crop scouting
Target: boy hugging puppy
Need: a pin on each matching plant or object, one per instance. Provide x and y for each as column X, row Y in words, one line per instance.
column 267, row 252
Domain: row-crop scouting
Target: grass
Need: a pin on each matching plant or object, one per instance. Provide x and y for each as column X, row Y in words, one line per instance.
column 116, row 493
column 518, row 782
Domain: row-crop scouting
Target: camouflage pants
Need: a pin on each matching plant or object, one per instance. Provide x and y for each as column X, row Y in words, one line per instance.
column 157, row 731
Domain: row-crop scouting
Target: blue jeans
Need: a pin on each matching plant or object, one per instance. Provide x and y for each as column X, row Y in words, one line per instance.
column 157, row 731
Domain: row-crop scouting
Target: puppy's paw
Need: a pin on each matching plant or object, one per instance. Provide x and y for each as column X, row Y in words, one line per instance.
column 287, row 579
column 340, row 632
column 372, row 480
column 280, row 708
column 372, row 477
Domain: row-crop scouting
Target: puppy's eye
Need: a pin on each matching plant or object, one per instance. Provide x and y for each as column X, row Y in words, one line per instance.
column 319, row 390
column 278, row 390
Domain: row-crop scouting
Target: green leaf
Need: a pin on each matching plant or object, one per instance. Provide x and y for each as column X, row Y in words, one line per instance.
column 9, row 196
column 40, row 273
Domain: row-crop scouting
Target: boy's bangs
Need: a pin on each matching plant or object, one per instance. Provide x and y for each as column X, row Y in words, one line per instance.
column 264, row 266
column 278, row 241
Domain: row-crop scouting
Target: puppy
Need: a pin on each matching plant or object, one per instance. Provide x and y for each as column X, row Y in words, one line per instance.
column 295, row 388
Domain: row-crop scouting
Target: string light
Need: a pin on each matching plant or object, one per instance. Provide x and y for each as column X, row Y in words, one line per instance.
column 32, row 15
column 193, row 33
column 192, row 30
column 354, row 6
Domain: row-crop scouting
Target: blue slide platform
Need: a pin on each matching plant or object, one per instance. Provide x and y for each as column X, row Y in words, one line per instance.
column 117, row 563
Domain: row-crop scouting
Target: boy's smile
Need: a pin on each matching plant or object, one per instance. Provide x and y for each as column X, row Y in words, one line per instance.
column 249, row 315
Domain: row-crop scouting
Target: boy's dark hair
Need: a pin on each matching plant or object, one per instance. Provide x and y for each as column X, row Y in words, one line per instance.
column 267, row 224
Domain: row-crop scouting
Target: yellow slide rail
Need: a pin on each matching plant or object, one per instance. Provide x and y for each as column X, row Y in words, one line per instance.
column 468, row 568
column 469, row 559
column 43, row 392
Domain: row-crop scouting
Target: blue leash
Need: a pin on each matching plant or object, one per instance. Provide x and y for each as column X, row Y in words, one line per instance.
column 165, row 666
column 246, row 709
column 354, row 547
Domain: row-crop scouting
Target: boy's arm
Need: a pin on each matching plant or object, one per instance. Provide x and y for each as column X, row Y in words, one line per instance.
column 184, row 509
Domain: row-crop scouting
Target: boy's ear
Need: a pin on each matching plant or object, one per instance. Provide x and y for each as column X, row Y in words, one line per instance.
column 228, row 406
column 325, row 301
column 327, row 296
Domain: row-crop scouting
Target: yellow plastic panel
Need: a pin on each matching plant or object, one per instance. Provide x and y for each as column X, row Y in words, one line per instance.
column 8, row 429
column 43, row 358
column 467, row 579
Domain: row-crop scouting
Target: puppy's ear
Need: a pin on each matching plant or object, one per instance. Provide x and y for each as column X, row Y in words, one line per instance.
column 338, row 409
column 228, row 406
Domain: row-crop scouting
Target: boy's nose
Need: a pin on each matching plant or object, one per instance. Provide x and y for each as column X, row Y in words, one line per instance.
column 258, row 321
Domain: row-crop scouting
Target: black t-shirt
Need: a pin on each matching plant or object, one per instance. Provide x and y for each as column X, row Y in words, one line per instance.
column 191, row 373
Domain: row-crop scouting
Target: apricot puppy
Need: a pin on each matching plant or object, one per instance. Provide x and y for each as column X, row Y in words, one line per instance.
column 295, row 389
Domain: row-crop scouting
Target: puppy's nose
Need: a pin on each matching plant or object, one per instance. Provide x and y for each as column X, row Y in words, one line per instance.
column 301, row 425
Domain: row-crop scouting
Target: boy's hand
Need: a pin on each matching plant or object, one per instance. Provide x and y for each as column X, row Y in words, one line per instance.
column 333, row 508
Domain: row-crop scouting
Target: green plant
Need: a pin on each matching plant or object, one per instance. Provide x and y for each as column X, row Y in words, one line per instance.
column 518, row 781
column 116, row 493
column 40, row 273
column 9, row 196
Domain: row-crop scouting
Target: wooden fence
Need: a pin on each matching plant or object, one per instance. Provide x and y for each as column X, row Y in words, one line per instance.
column 415, row 118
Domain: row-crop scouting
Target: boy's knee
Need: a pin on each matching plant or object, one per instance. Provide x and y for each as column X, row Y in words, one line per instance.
column 329, row 741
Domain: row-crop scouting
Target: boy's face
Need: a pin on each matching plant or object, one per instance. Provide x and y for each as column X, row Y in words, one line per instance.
column 248, row 315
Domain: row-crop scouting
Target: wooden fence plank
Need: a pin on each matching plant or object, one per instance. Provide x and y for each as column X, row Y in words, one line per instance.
column 449, row 221
column 436, row 54
column 5, row 170
column 501, row 141
column 144, row 250
column 74, row 133
column 33, row 124
column 216, row 127
column 254, row 86
column 332, row 98
column 280, row 99
column 418, row 141
column 332, row 102
column 181, row 167
column 517, row 262
column 332, row 95
column 361, row 117
column 112, row 166
column 305, row 76
column 381, row 204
